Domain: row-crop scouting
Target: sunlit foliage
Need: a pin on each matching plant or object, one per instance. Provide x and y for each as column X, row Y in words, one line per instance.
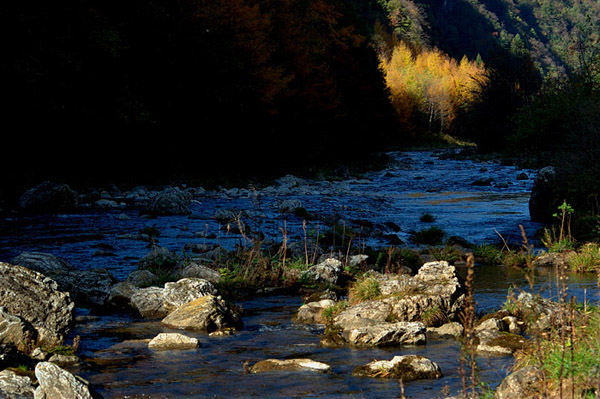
column 431, row 85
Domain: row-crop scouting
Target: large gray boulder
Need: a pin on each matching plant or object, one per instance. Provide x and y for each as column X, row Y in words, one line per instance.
column 56, row 383
column 16, row 332
column 526, row 383
column 88, row 288
column 36, row 299
column 170, row 201
column 49, row 197
column 158, row 302
column 179, row 293
column 328, row 271
column 13, row 386
column 206, row 313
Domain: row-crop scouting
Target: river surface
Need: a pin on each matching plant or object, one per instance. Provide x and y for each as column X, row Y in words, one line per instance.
column 389, row 203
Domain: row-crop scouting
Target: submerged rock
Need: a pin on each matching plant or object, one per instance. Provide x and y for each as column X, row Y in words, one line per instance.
column 166, row 341
column 271, row 365
column 207, row 313
column 36, row 299
column 407, row 368
column 56, row 383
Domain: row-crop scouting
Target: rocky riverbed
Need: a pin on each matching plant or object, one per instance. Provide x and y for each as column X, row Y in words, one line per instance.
column 132, row 335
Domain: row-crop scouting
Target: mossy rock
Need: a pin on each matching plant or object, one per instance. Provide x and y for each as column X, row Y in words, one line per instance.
column 332, row 338
column 510, row 341
column 407, row 368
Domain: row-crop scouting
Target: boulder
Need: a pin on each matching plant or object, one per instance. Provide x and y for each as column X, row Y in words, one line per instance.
column 186, row 290
column 312, row 313
column 36, row 299
column 328, row 271
column 387, row 334
column 14, row 386
column 16, row 332
column 120, row 295
column 452, row 330
column 165, row 341
column 149, row 302
column 270, row 365
column 56, row 383
column 141, row 278
column 49, row 197
column 544, row 198
column 206, row 313
column 406, row 368
column 170, row 201
column 196, row 270
column 90, row 288
column 42, row 262
column 158, row 258
column 435, row 295
column 526, row 383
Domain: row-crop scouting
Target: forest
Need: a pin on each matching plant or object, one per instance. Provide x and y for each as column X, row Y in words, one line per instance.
column 136, row 91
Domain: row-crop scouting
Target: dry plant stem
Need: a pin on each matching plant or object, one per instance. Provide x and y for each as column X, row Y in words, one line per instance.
column 284, row 244
column 315, row 252
column 401, row 383
column 305, row 245
column 468, row 321
column 348, row 250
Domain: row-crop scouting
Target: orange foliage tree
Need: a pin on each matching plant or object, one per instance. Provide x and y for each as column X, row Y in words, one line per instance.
column 429, row 84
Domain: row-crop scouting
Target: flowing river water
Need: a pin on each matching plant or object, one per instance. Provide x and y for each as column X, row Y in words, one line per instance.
column 389, row 202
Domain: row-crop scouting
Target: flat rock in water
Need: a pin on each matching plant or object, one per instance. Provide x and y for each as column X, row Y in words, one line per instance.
column 271, row 365
column 166, row 341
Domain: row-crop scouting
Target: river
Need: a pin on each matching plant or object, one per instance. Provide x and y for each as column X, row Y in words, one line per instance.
column 390, row 202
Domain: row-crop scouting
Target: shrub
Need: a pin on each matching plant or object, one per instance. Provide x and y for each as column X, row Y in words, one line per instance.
column 586, row 259
column 488, row 254
column 364, row 290
column 431, row 236
column 427, row 218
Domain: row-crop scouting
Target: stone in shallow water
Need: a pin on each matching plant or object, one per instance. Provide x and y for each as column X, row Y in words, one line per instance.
column 289, row 365
column 408, row 368
column 173, row 341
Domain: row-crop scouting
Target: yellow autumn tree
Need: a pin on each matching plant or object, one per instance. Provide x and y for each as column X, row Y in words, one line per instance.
column 429, row 83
